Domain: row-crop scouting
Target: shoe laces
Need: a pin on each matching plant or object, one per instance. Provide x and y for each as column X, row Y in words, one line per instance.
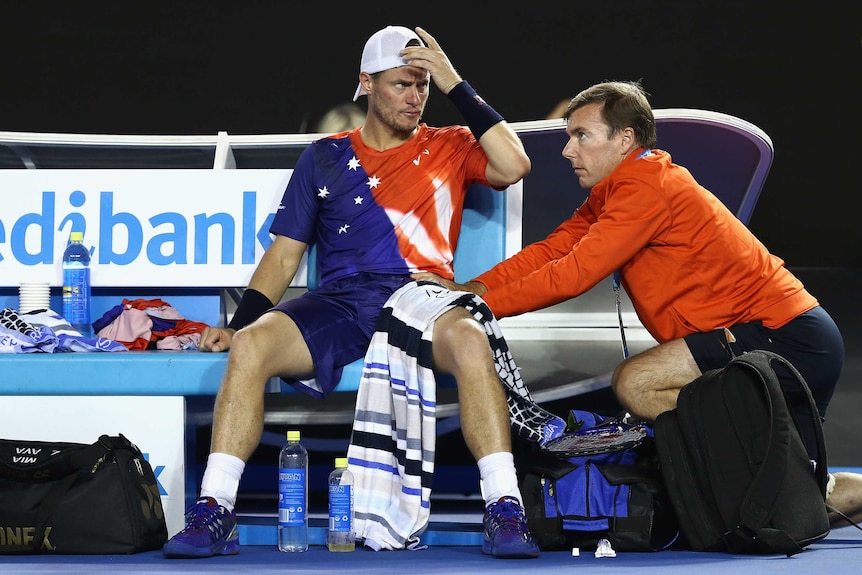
column 507, row 514
column 202, row 513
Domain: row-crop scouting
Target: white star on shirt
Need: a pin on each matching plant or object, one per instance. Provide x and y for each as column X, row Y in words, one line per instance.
column 322, row 192
column 357, row 200
column 353, row 163
column 373, row 181
column 343, row 229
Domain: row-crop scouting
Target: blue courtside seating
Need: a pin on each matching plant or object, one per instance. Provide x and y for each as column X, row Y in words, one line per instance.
column 124, row 372
column 729, row 156
column 481, row 245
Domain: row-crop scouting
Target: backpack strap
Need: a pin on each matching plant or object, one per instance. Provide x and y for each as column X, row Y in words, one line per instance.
column 821, row 468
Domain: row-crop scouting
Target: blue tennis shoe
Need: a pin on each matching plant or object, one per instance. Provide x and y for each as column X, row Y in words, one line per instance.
column 506, row 533
column 210, row 530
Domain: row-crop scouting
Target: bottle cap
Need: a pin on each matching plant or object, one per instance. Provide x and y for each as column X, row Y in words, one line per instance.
column 293, row 435
column 340, row 462
column 76, row 236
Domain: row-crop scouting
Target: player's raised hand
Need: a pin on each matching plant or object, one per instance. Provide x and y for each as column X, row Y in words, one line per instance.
column 433, row 59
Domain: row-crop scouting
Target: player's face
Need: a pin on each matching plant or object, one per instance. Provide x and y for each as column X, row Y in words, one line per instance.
column 399, row 96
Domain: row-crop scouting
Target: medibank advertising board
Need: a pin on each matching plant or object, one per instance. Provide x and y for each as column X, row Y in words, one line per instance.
column 143, row 227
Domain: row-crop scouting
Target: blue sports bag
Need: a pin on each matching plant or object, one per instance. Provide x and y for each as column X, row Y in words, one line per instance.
column 618, row 494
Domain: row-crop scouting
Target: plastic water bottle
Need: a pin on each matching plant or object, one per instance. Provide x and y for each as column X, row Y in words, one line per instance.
column 339, row 536
column 293, row 495
column 76, row 284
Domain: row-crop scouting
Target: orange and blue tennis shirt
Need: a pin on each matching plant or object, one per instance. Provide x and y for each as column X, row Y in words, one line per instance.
column 392, row 212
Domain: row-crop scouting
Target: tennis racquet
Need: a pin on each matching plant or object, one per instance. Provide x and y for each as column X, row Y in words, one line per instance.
column 601, row 439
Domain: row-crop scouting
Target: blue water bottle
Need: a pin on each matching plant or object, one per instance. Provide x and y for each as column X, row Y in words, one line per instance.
column 76, row 284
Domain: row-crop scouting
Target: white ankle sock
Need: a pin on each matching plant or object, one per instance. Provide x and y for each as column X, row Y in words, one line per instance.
column 221, row 478
column 497, row 477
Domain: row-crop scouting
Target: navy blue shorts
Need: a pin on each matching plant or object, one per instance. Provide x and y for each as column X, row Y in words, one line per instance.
column 337, row 321
column 811, row 342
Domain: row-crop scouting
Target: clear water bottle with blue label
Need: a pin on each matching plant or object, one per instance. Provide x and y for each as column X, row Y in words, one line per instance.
column 293, row 495
column 76, row 284
column 339, row 536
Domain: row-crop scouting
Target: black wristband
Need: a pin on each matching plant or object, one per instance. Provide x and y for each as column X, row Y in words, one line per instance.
column 252, row 305
column 479, row 115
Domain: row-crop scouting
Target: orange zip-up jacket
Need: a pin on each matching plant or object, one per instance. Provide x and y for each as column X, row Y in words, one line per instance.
column 688, row 264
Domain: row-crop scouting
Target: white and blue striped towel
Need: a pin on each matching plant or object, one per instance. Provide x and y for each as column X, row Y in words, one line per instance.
column 391, row 453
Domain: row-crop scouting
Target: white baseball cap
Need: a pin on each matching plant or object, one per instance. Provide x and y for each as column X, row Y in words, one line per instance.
column 382, row 51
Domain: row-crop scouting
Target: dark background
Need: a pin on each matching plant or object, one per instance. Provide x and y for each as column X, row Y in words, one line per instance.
column 791, row 68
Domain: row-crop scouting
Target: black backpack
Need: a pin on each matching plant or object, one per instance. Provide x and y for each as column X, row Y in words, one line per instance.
column 736, row 467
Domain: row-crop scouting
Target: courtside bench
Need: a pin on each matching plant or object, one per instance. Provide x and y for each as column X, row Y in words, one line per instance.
column 142, row 394
column 189, row 373
column 156, row 396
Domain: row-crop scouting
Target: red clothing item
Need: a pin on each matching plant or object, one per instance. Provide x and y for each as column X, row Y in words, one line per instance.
column 688, row 264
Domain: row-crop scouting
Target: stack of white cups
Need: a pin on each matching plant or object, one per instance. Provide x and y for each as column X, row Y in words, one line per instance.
column 34, row 296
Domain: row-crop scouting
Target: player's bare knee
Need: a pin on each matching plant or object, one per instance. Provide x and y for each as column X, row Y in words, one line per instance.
column 246, row 348
column 469, row 343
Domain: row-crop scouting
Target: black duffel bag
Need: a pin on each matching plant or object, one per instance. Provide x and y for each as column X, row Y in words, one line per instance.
column 73, row 498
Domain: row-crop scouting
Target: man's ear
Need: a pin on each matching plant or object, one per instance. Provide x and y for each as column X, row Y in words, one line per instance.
column 628, row 142
column 366, row 80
